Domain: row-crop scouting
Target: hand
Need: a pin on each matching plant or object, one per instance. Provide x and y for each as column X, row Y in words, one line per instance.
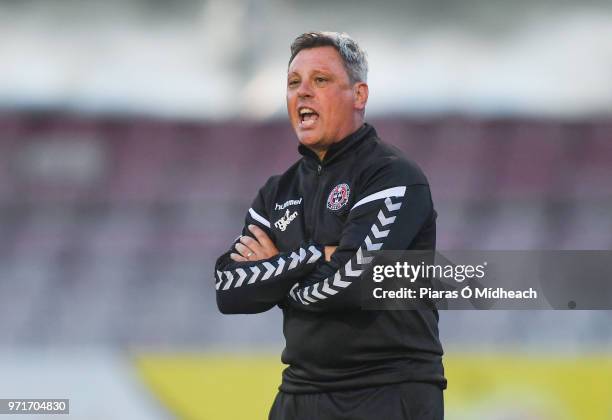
column 329, row 250
column 254, row 249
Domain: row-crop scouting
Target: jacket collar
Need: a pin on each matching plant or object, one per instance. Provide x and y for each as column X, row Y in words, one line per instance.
column 342, row 147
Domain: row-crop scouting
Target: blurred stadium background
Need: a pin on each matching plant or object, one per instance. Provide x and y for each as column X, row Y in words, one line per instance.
column 135, row 133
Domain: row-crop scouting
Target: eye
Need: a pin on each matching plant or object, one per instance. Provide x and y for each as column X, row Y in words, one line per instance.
column 320, row 80
column 293, row 82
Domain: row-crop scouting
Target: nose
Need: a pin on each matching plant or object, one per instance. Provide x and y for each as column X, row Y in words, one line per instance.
column 304, row 90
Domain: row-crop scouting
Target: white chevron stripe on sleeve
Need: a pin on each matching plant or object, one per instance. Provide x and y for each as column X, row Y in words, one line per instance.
column 307, row 296
column 219, row 280
column 295, row 260
column 299, row 296
column 370, row 246
column 379, row 233
column 391, row 206
column 256, row 272
column 315, row 254
column 389, row 192
column 328, row 289
column 230, row 278
column 270, row 269
column 316, row 293
column 259, row 218
column 361, row 259
column 339, row 282
column 384, row 221
column 292, row 291
column 349, row 270
column 281, row 264
column 241, row 276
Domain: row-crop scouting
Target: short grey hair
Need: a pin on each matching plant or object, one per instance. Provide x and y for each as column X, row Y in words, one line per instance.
column 353, row 56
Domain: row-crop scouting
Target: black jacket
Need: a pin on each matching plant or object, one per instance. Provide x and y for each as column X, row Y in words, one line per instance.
column 363, row 196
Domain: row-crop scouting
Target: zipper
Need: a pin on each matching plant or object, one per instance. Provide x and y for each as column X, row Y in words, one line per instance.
column 310, row 228
column 317, row 202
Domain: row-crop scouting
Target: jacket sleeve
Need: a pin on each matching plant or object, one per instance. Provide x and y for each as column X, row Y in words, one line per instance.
column 392, row 207
column 256, row 286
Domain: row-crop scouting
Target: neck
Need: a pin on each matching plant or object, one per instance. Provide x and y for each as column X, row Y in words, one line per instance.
column 323, row 151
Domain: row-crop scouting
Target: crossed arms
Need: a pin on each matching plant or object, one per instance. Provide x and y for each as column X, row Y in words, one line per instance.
column 253, row 276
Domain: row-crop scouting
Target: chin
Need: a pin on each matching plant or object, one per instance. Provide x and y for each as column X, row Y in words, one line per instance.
column 308, row 138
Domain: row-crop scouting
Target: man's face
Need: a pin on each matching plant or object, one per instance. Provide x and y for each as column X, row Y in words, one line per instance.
column 321, row 101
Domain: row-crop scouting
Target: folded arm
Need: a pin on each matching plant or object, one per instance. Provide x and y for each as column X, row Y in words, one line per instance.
column 389, row 218
column 252, row 276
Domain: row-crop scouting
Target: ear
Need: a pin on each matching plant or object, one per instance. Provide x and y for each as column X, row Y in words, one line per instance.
column 361, row 91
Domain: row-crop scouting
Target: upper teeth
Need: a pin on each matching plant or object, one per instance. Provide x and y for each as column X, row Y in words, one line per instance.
column 306, row 111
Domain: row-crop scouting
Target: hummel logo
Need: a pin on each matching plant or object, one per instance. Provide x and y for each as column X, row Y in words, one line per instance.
column 287, row 204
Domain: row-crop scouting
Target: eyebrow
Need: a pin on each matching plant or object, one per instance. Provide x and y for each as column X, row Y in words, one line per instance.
column 326, row 71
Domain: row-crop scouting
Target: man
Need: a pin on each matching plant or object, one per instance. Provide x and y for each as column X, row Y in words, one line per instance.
column 305, row 248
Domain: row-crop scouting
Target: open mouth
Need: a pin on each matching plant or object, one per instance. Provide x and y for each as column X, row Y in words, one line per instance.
column 308, row 117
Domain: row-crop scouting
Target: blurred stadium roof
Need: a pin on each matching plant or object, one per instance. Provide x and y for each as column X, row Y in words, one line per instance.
column 220, row 59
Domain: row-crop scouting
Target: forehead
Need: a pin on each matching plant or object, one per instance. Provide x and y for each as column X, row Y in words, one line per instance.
column 317, row 58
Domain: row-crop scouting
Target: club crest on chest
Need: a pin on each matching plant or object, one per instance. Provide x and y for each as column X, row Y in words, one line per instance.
column 338, row 197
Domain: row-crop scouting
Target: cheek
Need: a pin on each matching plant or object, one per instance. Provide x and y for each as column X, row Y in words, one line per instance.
column 336, row 111
column 338, row 104
column 290, row 105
